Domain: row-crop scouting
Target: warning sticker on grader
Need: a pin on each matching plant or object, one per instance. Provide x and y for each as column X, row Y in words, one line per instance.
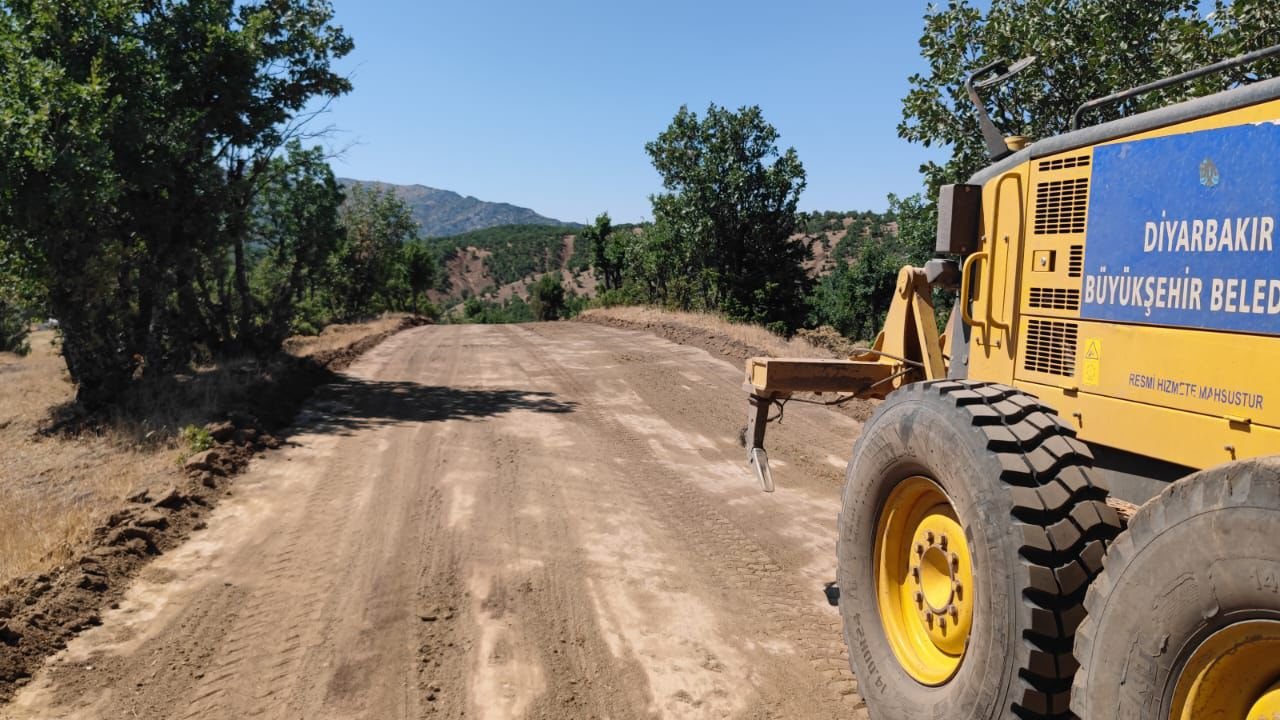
column 1091, row 368
column 1182, row 231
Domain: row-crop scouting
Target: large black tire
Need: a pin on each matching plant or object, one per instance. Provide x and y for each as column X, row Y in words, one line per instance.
column 1036, row 522
column 1198, row 557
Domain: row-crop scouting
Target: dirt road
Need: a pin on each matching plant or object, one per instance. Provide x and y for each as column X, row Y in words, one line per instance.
column 542, row 521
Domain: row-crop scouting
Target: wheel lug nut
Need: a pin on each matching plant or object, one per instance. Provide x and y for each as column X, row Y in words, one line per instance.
column 919, row 598
column 942, row 623
column 955, row 613
column 915, row 573
column 959, row 589
column 929, row 537
column 919, row 549
column 955, row 562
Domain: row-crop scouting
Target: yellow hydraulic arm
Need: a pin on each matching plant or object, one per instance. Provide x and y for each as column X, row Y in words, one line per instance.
column 908, row 349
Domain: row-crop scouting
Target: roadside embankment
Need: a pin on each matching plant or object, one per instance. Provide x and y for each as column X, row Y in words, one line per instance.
column 734, row 342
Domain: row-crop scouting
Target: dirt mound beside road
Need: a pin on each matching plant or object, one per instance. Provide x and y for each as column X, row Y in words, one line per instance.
column 734, row 342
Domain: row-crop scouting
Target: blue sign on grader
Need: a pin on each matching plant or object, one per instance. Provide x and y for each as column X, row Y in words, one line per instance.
column 1183, row 231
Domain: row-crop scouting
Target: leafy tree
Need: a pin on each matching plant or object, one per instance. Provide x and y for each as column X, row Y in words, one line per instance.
column 514, row 310
column 546, row 298
column 606, row 258
column 295, row 226
column 420, row 271
column 1086, row 49
column 574, row 304
column 133, row 139
column 723, row 226
column 615, row 255
column 362, row 269
column 855, row 298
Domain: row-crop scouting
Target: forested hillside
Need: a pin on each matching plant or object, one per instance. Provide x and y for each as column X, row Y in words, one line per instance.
column 497, row 269
column 508, row 253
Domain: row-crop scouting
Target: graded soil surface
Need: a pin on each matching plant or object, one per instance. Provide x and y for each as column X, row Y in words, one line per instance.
column 536, row 521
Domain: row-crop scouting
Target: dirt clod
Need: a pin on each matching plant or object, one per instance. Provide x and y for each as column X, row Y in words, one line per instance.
column 141, row 495
column 170, row 497
column 207, row 461
column 221, row 431
column 153, row 519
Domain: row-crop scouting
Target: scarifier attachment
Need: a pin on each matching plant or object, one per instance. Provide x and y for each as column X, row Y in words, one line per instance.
column 757, row 419
column 909, row 349
column 760, row 463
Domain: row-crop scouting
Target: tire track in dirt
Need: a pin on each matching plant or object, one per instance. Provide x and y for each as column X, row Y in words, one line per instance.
column 474, row 523
column 507, row 620
column 726, row 550
column 299, row 578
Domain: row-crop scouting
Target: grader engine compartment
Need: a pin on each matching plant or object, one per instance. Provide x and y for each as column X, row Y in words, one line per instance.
column 1149, row 276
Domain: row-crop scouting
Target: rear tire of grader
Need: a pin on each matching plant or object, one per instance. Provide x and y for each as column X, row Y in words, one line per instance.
column 1185, row 620
column 970, row 529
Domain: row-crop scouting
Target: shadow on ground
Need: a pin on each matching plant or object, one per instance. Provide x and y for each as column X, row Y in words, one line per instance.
column 349, row 404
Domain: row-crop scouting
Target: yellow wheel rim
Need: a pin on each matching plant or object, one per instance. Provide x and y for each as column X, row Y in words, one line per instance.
column 924, row 580
column 1235, row 673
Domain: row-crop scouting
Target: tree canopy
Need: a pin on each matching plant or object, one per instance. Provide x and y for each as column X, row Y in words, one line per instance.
column 134, row 139
column 724, row 223
column 364, row 266
column 1085, row 49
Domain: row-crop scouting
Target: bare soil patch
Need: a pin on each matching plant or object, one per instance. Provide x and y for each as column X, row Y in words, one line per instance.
column 81, row 512
column 547, row 520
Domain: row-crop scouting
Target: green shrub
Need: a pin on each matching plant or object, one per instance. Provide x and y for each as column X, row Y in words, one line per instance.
column 196, row 438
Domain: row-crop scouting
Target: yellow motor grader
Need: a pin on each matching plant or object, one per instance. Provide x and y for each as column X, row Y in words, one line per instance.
column 1068, row 504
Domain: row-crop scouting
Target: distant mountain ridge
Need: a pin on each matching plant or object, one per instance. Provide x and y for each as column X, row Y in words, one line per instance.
column 442, row 213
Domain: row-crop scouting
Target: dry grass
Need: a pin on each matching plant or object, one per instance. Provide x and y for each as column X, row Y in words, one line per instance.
column 55, row 490
column 751, row 335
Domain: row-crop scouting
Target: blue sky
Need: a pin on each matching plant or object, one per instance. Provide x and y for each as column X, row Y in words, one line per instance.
column 548, row 104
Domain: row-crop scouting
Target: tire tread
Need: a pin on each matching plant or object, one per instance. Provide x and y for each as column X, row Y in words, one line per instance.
column 1066, row 529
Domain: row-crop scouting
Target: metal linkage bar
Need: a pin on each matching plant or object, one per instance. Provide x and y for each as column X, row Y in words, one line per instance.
column 1174, row 80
